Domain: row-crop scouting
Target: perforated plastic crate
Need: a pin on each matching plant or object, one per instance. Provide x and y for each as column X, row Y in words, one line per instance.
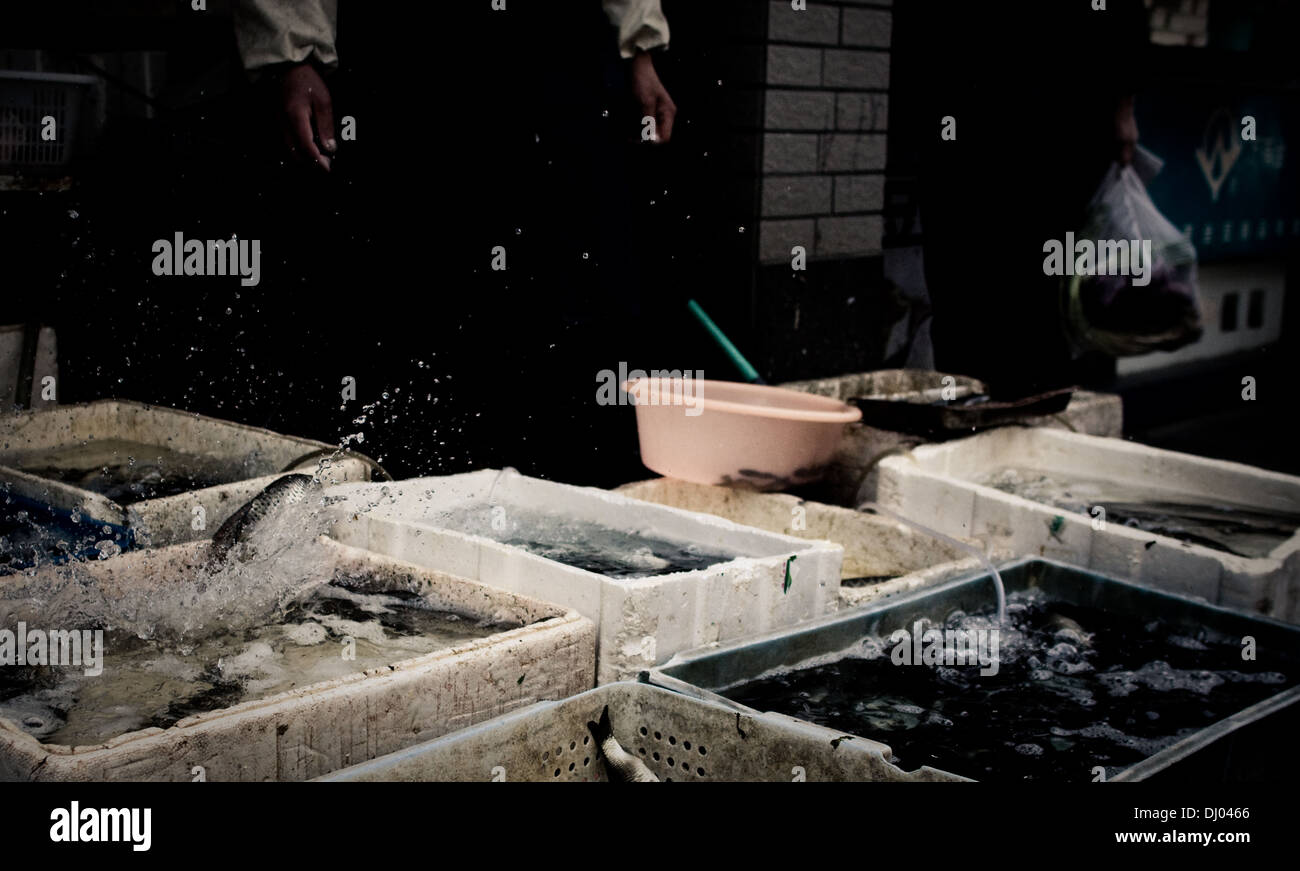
column 678, row 737
column 26, row 99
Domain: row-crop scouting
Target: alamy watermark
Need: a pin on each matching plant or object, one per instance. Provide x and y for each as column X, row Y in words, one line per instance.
column 949, row 647
column 1103, row 257
column 656, row 387
column 133, row 826
column 181, row 256
column 66, row 647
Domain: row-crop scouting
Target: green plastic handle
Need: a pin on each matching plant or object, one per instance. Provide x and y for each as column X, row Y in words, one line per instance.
column 748, row 372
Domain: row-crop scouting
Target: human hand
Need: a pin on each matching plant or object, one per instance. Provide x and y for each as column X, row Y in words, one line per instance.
column 304, row 100
column 653, row 97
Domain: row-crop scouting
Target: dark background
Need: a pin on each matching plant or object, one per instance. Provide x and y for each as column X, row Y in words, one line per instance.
column 476, row 129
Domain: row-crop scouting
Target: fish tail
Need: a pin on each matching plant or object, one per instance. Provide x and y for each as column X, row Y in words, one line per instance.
column 602, row 730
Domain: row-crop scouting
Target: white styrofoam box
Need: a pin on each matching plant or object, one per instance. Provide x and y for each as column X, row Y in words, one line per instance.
column 263, row 454
column 680, row 738
column 935, row 485
column 312, row 730
column 874, row 546
column 851, row 478
column 1220, row 286
column 640, row 621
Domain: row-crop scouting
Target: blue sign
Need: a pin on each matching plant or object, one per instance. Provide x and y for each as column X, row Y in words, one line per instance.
column 1232, row 195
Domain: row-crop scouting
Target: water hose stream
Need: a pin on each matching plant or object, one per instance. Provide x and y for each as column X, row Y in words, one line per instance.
column 960, row 545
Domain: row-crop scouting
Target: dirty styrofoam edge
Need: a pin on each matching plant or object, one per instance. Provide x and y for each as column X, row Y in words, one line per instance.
column 47, row 427
column 825, row 522
column 285, row 703
column 505, row 551
column 743, row 597
column 338, row 686
column 603, row 506
column 976, row 456
column 677, row 610
column 588, row 503
column 1085, row 447
column 556, row 619
column 275, row 444
column 291, row 703
column 855, row 597
column 678, row 520
column 1047, row 513
column 357, row 555
column 1286, row 549
column 60, row 495
column 50, row 427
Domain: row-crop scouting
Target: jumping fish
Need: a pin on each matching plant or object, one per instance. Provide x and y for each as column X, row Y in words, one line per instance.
column 621, row 766
column 288, row 490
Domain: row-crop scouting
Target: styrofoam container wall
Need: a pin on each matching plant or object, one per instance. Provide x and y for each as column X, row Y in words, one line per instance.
column 935, row 484
column 166, row 520
column 306, row 732
column 874, row 546
column 640, row 621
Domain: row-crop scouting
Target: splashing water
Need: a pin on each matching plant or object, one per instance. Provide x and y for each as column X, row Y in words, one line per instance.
column 164, row 595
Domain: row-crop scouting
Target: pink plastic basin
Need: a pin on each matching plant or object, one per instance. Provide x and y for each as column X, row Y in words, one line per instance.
column 736, row 435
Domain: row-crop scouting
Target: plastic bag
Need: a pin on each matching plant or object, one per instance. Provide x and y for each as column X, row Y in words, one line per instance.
column 1108, row 312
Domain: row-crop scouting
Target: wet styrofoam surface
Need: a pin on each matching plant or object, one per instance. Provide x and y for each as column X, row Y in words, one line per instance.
column 312, row 730
column 683, row 739
column 172, row 519
column 935, row 485
column 850, row 479
column 874, row 547
column 640, row 621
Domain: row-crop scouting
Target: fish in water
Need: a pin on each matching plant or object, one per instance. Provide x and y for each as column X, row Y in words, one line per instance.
column 621, row 766
column 288, row 490
column 1069, row 630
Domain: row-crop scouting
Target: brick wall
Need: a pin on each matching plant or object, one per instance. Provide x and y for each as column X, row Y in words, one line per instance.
column 825, row 111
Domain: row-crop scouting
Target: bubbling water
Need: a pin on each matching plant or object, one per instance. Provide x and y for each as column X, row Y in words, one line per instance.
column 1075, row 688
